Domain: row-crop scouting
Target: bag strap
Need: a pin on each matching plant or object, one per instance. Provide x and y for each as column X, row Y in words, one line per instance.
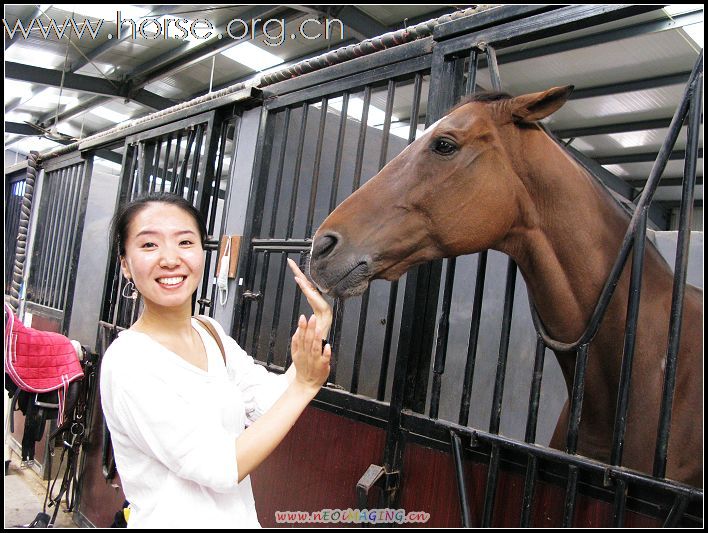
column 204, row 321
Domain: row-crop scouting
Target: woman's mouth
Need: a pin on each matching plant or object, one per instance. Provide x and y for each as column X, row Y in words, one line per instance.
column 171, row 283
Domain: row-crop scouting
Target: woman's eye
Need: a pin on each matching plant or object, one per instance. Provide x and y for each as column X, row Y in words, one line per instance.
column 185, row 243
column 444, row 146
column 149, row 245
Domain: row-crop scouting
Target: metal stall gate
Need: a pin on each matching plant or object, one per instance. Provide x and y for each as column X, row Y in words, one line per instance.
column 191, row 158
column 321, row 137
column 14, row 193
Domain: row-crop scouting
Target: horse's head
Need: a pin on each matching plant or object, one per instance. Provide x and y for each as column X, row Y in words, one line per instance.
column 453, row 191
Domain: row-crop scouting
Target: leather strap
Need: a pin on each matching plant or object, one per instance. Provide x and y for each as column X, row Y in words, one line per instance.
column 204, row 321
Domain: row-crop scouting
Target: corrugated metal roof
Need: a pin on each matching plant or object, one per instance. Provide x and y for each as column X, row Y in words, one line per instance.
column 643, row 50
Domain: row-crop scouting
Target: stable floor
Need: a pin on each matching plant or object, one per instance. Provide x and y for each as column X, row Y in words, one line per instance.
column 24, row 497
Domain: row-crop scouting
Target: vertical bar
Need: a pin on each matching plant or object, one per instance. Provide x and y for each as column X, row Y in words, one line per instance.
column 315, row 172
column 681, row 267
column 259, row 311
column 72, row 216
column 335, row 337
column 619, row 504
column 338, row 154
column 194, row 178
column 168, row 149
column 460, row 474
column 59, row 243
column 175, row 164
column 677, row 510
column 630, row 336
column 362, row 138
column 474, row 338
column 471, row 86
column 493, row 67
column 534, row 395
column 495, row 418
column 296, row 309
column 279, row 175
column 529, row 489
column 570, row 496
column 276, row 311
column 491, row 488
column 296, row 175
column 179, row 181
column 361, row 331
column 572, row 436
column 393, row 289
column 441, row 342
column 47, row 228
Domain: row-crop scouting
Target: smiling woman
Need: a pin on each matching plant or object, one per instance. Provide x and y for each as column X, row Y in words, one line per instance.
column 182, row 465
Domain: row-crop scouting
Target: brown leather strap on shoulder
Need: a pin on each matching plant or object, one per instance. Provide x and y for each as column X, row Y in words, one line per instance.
column 212, row 331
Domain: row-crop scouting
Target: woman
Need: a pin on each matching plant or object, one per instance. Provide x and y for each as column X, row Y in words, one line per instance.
column 177, row 411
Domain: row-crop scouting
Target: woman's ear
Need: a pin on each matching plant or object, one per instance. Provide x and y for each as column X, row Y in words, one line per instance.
column 124, row 268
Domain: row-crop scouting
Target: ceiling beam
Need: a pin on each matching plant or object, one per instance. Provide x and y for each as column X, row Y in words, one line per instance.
column 361, row 25
column 606, row 129
column 648, row 157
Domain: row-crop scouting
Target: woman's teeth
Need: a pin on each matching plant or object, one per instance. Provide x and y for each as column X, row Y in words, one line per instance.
column 170, row 281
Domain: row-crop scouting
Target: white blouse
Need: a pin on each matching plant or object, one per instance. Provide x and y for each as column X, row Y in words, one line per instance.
column 174, row 429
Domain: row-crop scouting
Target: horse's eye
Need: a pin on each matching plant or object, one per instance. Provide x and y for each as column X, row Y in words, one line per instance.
column 444, row 146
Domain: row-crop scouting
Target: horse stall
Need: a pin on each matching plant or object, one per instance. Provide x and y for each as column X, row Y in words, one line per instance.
column 445, row 390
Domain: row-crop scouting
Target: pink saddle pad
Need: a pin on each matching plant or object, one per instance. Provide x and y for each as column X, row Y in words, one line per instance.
column 38, row 361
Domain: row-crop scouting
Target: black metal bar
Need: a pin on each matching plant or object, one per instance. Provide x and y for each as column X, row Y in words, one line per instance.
column 194, row 178
column 571, row 493
column 472, row 71
column 296, row 309
column 493, row 67
column 441, row 343
column 276, row 312
column 175, row 165
column 259, row 310
column 335, row 337
column 315, row 171
column 619, row 506
column 68, row 260
column 361, row 332
column 168, row 150
column 52, row 182
column 490, row 490
column 529, row 489
column 630, row 336
column 460, row 474
column 296, row 175
column 535, row 393
column 338, row 154
column 279, row 175
column 576, row 403
column 474, row 338
column 681, row 265
column 67, row 188
column 495, row 418
column 388, row 336
column 362, row 138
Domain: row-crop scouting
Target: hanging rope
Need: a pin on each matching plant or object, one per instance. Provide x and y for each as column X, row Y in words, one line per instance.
column 21, row 246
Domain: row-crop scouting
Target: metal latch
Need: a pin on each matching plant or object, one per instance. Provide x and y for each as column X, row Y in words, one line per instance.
column 248, row 295
column 375, row 476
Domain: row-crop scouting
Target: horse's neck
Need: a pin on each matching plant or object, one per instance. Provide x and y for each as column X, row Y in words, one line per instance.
column 567, row 237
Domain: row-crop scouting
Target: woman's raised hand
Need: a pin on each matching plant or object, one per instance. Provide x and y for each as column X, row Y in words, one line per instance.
column 320, row 306
column 310, row 360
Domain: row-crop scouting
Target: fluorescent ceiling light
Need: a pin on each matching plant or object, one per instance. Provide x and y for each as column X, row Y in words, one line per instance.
column 18, row 116
column 678, row 9
column 631, row 139
column 375, row 118
column 106, row 12
column 113, row 116
column 15, row 88
column 44, row 58
column 695, row 32
column 616, row 170
column 50, row 95
column 252, row 56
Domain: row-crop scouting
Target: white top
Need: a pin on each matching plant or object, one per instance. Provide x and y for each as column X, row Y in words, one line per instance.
column 174, row 429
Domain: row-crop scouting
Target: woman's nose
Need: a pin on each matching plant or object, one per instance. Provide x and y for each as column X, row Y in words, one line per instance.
column 169, row 258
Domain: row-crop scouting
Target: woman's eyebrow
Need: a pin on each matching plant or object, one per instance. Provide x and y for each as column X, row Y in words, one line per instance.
column 176, row 233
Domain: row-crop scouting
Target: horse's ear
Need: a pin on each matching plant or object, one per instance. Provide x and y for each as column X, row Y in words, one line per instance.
column 535, row 106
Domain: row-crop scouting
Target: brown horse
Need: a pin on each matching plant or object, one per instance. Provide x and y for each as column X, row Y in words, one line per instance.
column 487, row 176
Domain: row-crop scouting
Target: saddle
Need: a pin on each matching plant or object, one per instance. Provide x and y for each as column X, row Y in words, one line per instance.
column 41, row 366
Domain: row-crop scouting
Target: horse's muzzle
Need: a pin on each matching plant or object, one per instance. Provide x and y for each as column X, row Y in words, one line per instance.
column 338, row 272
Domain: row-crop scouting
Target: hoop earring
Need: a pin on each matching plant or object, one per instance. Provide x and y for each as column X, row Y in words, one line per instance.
column 131, row 288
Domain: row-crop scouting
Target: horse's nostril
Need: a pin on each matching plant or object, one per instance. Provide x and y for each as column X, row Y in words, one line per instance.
column 324, row 246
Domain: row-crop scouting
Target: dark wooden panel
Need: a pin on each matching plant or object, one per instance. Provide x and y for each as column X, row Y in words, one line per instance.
column 317, row 466
column 429, row 485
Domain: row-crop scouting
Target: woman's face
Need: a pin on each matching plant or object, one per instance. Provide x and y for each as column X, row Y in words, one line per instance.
column 163, row 255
